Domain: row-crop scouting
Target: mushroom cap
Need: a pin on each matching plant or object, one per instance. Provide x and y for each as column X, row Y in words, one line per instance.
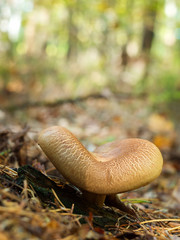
column 114, row 167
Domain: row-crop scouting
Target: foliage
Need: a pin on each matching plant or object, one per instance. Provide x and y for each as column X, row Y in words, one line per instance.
column 79, row 47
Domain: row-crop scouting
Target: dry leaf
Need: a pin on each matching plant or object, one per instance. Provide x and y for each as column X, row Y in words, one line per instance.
column 159, row 123
column 3, row 236
column 163, row 142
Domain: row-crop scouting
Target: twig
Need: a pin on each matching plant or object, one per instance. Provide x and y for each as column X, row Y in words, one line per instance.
column 68, row 100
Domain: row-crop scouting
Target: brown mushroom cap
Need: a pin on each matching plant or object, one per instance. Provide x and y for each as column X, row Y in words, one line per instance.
column 115, row 167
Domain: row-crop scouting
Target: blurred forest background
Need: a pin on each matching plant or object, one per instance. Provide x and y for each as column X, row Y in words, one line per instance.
column 69, row 48
column 65, row 49
column 104, row 69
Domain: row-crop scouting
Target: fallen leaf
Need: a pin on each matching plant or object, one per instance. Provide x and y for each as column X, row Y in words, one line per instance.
column 159, row 123
column 163, row 142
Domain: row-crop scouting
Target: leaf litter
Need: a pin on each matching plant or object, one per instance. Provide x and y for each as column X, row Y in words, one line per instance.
column 37, row 203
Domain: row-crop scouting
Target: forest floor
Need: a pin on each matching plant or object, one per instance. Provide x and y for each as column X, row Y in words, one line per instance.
column 32, row 210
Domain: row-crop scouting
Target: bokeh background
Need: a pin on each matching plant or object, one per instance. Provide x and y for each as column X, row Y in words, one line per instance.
column 105, row 70
column 69, row 48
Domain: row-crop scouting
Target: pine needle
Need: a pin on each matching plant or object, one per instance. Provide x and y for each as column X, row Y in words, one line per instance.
column 161, row 220
column 59, row 201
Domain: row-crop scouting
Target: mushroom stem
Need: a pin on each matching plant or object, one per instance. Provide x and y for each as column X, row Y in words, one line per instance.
column 114, row 201
column 96, row 199
column 111, row 200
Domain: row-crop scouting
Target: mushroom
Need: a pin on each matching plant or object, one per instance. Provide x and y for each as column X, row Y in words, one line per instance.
column 115, row 167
